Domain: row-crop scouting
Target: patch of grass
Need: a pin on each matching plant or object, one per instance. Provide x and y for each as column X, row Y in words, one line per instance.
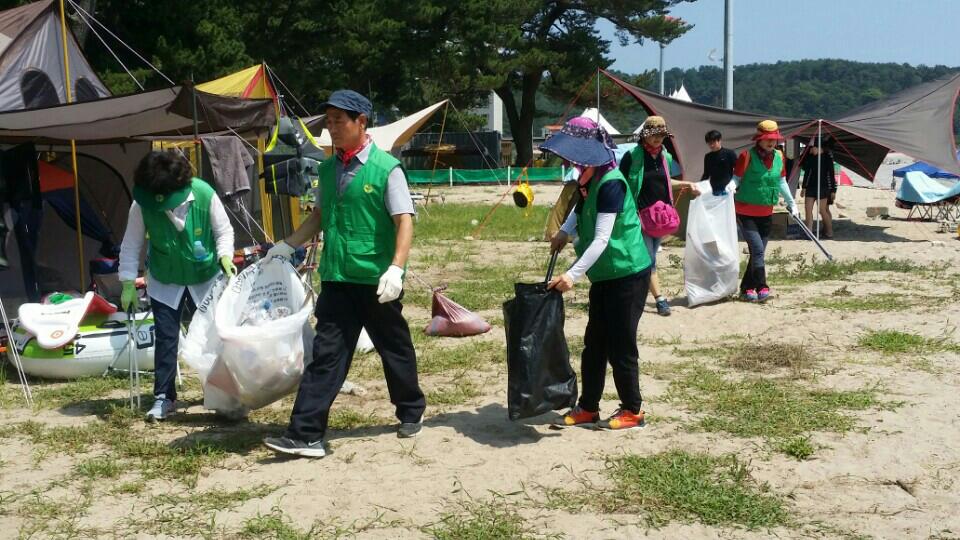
column 127, row 446
column 277, row 525
column 877, row 302
column 760, row 358
column 191, row 514
column 99, row 467
column 453, row 222
column 798, row 447
column 459, row 393
column 471, row 355
column 896, row 342
column 800, row 269
column 476, row 520
column 681, row 486
column 345, row 418
column 774, row 408
column 770, row 357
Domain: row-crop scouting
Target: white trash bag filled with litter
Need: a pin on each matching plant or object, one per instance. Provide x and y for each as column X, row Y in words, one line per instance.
column 200, row 350
column 711, row 260
column 251, row 352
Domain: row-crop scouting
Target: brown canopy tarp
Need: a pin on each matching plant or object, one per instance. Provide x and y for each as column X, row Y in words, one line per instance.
column 125, row 118
column 917, row 121
column 689, row 122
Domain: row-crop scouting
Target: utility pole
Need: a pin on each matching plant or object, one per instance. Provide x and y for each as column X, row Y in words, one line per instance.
column 662, row 46
column 727, row 55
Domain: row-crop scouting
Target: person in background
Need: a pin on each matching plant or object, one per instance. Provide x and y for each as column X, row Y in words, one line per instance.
column 190, row 241
column 760, row 175
column 647, row 170
column 819, row 182
column 610, row 252
column 365, row 212
column 718, row 163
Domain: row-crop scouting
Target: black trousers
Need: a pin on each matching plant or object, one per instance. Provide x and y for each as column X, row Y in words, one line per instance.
column 755, row 232
column 343, row 309
column 166, row 328
column 611, row 337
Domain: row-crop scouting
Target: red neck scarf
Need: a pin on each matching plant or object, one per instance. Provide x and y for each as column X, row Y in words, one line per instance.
column 346, row 155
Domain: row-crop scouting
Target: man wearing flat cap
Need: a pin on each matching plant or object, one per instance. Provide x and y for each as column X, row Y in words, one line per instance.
column 366, row 214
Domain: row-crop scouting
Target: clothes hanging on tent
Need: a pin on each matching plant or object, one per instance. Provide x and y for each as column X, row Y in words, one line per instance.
column 229, row 161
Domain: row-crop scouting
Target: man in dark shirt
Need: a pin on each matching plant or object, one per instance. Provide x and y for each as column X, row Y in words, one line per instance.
column 718, row 163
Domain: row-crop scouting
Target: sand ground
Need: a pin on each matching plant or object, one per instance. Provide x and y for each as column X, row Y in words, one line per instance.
column 896, row 476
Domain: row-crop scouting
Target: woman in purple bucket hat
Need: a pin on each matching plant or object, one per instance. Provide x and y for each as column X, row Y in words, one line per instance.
column 611, row 253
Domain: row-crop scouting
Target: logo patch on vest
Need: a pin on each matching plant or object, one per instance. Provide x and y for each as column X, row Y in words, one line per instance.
column 197, row 232
column 159, row 198
column 368, row 188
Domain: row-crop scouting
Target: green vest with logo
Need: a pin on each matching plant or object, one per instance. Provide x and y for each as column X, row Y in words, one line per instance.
column 170, row 253
column 625, row 254
column 759, row 185
column 359, row 235
column 635, row 178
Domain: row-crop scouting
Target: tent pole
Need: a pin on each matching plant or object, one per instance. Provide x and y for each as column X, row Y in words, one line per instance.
column 73, row 151
column 598, row 96
column 266, row 205
column 819, row 155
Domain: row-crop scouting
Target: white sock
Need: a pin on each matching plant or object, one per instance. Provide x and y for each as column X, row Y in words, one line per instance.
column 661, row 298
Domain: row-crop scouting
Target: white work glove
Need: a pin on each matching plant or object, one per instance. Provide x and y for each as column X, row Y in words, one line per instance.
column 794, row 211
column 391, row 284
column 280, row 249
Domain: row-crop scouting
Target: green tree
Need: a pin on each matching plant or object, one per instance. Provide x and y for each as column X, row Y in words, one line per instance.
column 515, row 47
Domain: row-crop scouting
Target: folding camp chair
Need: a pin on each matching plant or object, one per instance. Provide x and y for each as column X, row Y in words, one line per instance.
column 928, row 199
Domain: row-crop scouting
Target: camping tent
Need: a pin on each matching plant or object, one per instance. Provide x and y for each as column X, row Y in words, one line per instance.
column 31, row 60
column 112, row 135
column 166, row 112
column 929, row 170
column 680, row 94
column 595, row 115
column 252, row 82
column 387, row 137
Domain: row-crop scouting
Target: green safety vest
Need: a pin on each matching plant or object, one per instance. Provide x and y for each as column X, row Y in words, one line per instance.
column 759, row 185
column 625, row 254
column 170, row 256
column 635, row 178
column 359, row 235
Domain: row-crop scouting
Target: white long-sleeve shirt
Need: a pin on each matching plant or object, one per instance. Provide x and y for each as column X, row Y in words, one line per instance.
column 171, row 294
column 601, row 238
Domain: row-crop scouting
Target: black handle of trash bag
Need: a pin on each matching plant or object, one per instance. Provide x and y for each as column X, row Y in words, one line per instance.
column 553, row 263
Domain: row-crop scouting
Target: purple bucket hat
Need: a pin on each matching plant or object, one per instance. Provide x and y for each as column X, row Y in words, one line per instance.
column 581, row 142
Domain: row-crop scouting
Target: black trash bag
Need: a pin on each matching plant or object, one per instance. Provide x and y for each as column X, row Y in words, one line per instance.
column 539, row 376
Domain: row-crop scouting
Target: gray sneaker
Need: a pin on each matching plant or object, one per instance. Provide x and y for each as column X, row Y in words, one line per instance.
column 162, row 409
column 295, row 447
column 409, row 430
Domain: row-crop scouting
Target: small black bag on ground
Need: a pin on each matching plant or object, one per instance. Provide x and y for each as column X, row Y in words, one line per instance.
column 539, row 376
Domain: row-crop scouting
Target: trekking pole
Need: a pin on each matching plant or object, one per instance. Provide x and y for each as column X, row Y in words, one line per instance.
column 134, row 367
column 13, row 354
column 806, row 230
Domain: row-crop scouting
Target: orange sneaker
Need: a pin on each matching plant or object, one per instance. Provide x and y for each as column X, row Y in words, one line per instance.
column 623, row 419
column 577, row 417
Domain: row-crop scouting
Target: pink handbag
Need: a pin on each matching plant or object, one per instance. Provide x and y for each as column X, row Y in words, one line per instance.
column 660, row 219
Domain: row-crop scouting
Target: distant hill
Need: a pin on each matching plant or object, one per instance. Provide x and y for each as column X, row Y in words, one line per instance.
column 804, row 89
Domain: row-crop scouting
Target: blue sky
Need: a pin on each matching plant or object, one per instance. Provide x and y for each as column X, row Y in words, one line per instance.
column 765, row 31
